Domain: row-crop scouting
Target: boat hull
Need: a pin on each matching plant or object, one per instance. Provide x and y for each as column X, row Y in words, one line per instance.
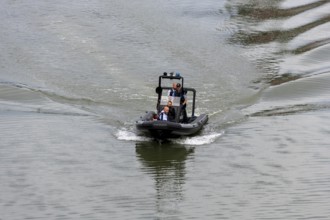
column 164, row 129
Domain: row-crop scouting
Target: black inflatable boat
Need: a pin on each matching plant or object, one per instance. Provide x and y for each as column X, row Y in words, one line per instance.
column 179, row 124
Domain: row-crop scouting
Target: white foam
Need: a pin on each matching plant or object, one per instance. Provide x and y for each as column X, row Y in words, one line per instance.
column 129, row 136
column 196, row 140
column 200, row 140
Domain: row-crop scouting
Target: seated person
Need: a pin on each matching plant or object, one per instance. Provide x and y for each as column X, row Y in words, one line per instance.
column 163, row 115
column 154, row 117
column 171, row 112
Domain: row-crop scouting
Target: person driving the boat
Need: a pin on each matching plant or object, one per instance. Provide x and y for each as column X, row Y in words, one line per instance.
column 183, row 100
column 163, row 115
column 171, row 112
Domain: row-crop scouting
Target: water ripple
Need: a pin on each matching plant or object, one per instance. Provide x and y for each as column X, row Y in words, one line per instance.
column 263, row 37
column 280, row 39
column 269, row 12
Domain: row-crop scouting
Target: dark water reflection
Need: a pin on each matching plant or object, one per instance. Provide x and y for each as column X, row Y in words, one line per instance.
column 165, row 163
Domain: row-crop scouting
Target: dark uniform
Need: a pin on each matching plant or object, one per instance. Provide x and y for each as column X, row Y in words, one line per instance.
column 182, row 94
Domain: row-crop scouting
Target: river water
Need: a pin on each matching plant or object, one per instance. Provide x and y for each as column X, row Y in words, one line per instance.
column 75, row 75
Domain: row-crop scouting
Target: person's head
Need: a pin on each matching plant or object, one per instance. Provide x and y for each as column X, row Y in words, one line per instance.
column 169, row 103
column 166, row 109
column 174, row 85
column 178, row 86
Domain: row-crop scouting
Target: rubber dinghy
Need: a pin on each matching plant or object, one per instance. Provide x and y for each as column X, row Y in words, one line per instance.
column 179, row 124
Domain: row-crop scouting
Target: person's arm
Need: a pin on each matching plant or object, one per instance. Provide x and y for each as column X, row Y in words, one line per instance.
column 185, row 100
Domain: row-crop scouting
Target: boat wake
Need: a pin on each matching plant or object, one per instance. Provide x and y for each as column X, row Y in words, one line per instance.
column 199, row 140
column 126, row 135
